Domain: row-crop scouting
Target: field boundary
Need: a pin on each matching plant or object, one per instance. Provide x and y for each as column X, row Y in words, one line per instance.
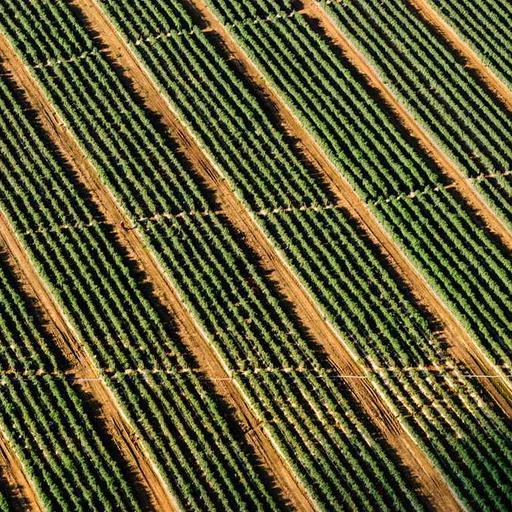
column 456, row 42
column 260, row 213
column 190, row 332
column 471, row 352
column 464, row 348
column 344, row 361
column 288, row 284
column 71, row 375
column 19, row 485
column 74, row 350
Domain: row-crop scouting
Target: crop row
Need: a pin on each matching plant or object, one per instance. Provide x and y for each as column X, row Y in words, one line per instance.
column 197, row 448
column 6, row 503
column 45, row 418
column 316, row 426
column 379, row 159
column 486, row 26
column 342, row 269
column 463, row 117
column 206, row 285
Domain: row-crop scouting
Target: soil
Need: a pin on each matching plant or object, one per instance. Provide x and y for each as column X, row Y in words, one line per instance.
column 431, row 484
column 269, row 259
column 189, row 331
column 462, row 346
column 431, row 15
column 87, row 375
column 13, row 474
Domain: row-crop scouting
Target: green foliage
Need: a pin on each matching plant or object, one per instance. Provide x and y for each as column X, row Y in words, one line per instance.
column 343, row 270
column 312, row 418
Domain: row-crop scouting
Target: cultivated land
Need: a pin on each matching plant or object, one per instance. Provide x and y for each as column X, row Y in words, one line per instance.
column 255, row 255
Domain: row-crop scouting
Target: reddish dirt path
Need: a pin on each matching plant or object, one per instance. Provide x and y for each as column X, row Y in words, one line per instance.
column 462, row 345
column 155, row 493
column 13, row 474
column 435, row 19
column 114, row 423
column 460, row 182
column 190, row 333
column 432, row 484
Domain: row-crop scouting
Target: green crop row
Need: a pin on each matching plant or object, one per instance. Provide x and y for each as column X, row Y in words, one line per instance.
column 486, row 26
column 462, row 116
column 314, row 421
column 196, row 446
column 378, row 158
column 342, row 269
column 45, row 419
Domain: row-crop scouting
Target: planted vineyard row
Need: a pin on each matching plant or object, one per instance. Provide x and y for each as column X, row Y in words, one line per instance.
column 6, row 503
column 459, row 112
column 384, row 166
column 44, row 417
column 333, row 258
column 195, row 445
column 487, row 26
column 331, row 446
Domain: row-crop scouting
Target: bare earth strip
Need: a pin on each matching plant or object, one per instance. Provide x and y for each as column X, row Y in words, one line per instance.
column 473, row 61
column 432, row 485
column 189, row 332
column 155, row 493
column 461, row 345
column 87, row 376
column 13, row 474
column 460, row 182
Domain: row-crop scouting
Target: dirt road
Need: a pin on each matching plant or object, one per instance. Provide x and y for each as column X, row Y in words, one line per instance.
column 87, row 375
column 71, row 346
column 268, row 258
column 191, row 335
column 432, row 16
column 13, row 474
column 462, row 345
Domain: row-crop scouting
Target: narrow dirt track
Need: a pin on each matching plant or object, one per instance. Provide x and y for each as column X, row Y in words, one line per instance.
column 190, row 333
column 432, row 485
column 461, row 344
column 147, row 477
column 435, row 19
column 13, row 474
column 113, row 419
column 460, row 182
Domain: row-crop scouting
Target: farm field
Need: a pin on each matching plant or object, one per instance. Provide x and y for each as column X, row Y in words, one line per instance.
column 255, row 255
